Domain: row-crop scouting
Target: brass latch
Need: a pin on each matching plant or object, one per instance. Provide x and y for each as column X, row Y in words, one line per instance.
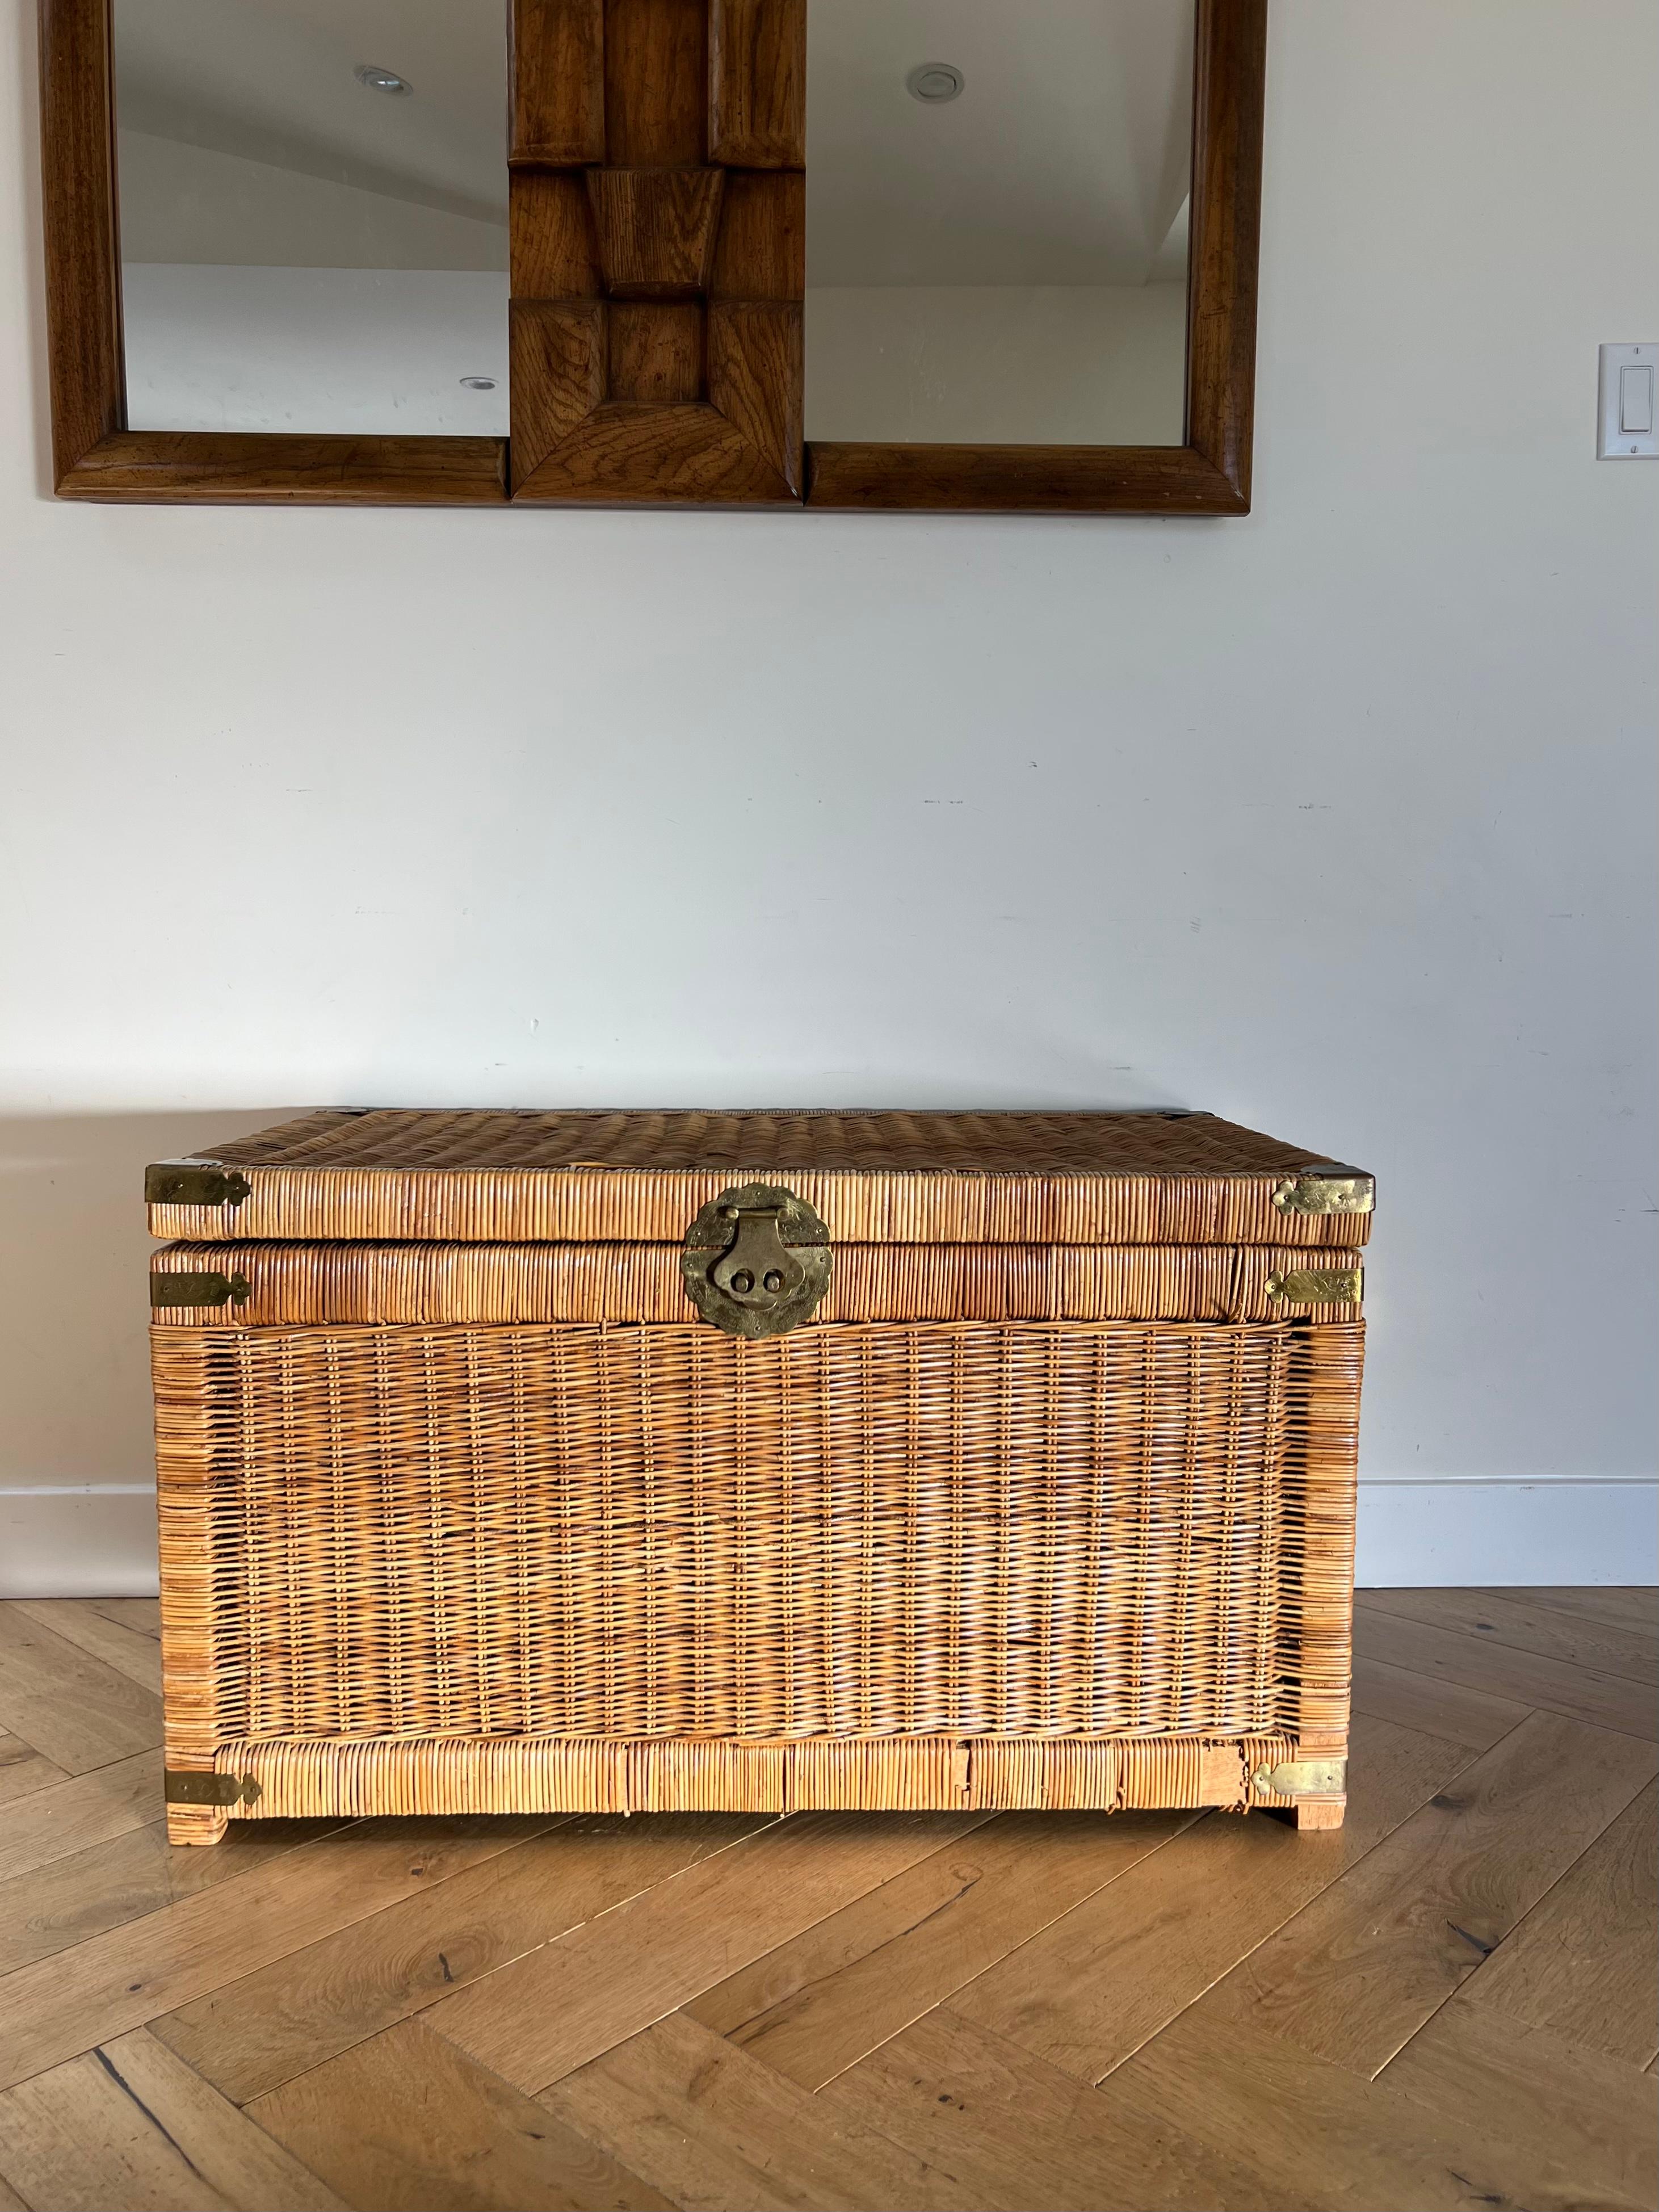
column 756, row 1260
column 1317, row 1286
column 194, row 1182
column 1326, row 1190
column 1304, row 1778
column 198, row 1290
column 183, row 1785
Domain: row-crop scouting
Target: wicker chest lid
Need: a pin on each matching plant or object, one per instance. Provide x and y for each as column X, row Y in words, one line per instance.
column 875, row 1177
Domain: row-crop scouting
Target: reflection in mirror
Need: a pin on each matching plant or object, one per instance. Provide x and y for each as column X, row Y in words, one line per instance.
column 312, row 206
column 996, row 221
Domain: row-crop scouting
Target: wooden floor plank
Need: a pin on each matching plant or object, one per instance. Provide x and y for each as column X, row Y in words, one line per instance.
column 1577, row 1693
column 1637, row 1609
column 71, row 1899
column 716, row 2132
column 1554, row 2102
column 259, row 2031
column 22, row 1770
column 1442, row 1709
column 1582, row 1962
column 88, row 1809
column 540, row 2018
column 406, row 2123
column 812, row 2006
column 1313, row 2134
column 143, row 1614
column 1111, row 1973
column 78, row 1621
column 59, row 2007
column 1027, row 2137
column 75, row 1709
column 1365, row 1964
column 130, row 2127
column 1511, row 1620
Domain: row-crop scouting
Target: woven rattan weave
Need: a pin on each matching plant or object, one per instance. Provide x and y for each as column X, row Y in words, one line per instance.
column 503, row 1526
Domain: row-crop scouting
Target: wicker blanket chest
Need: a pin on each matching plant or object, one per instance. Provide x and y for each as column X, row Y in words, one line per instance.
column 642, row 1461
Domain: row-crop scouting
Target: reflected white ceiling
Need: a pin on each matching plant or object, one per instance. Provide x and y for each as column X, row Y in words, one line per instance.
column 271, row 80
column 1063, row 161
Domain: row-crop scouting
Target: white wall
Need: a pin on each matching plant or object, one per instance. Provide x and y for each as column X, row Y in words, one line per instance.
column 1339, row 819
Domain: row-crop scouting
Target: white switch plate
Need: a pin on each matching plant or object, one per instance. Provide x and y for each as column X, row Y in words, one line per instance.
column 1630, row 392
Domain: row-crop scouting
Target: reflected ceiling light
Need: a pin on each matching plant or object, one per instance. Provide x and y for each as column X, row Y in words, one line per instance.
column 381, row 80
column 479, row 383
column 934, row 82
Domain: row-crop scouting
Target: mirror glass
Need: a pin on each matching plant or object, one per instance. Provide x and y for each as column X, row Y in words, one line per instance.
column 996, row 221
column 312, row 202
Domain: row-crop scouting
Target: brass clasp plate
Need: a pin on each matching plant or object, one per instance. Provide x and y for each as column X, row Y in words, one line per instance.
column 1319, row 1286
column 198, row 1290
column 1326, row 1190
column 183, row 1785
column 1304, row 1778
column 756, row 1260
column 194, row 1182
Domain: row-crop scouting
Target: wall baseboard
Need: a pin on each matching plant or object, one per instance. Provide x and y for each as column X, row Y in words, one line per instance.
column 98, row 1541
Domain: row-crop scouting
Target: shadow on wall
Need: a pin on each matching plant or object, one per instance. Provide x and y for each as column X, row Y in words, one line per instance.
column 75, row 1454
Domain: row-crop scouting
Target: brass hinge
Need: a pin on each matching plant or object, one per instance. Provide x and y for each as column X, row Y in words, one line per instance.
column 194, row 1182
column 182, row 1785
column 1304, row 1778
column 198, row 1290
column 1318, row 1287
column 1326, row 1190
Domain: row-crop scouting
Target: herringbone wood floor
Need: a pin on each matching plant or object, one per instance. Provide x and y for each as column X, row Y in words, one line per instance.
column 1449, row 2003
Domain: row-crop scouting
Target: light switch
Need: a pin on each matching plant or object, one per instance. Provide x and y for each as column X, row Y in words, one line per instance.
column 1627, row 430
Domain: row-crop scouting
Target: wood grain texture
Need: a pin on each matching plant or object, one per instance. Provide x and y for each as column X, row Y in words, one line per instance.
column 558, row 350
column 245, row 469
column 83, row 274
column 1361, row 1968
column 1557, row 2107
column 628, row 455
column 22, row 1769
column 820, row 2002
column 1010, row 479
column 1632, row 1608
column 72, row 1708
column 552, row 250
column 758, row 83
column 1108, row 1975
column 1019, row 2132
column 131, row 1652
column 405, row 2121
column 60, row 2007
column 65, row 1817
column 1313, row 2134
column 130, row 2126
column 553, row 2011
column 1526, row 1677
column 1581, row 1964
column 760, row 251
column 655, row 229
column 1435, row 1708
column 307, row 2007
column 557, row 71
column 70, row 1898
column 654, row 353
column 1229, row 63
column 1513, row 1620
column 716, row 2132
column 142, row 1614
column 656, row 83
column 756, row 372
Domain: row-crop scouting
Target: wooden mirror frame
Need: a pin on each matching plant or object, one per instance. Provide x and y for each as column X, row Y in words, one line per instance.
column 658, row 252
